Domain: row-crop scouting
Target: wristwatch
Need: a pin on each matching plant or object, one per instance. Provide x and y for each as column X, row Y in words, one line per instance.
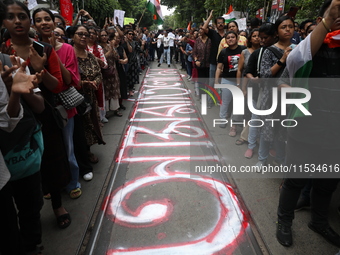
column 280, row 63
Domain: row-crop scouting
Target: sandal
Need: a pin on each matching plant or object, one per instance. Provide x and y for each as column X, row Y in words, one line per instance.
column 63, row 221
column 232, row 132
column 75, row 193
column 117, row 113
column 47, row 196
column 240, row 141
column 93, row 159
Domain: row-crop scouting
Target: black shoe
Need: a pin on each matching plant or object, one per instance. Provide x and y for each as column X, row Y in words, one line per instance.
column 168, row 65
column 284, row 234
column 328, row 233
column 159, row 64
column 302, row 204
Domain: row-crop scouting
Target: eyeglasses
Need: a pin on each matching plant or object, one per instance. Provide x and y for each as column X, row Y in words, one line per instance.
column 80, row 34
column 58, row 35
column 130, row 33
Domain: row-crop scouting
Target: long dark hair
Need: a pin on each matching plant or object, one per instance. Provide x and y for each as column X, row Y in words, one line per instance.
column 42, row 10
column 249, row 43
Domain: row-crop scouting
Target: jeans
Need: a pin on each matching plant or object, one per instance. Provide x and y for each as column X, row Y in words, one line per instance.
column 189, row 68
column 28, row 200
column 279, row 149
column 212, row 72
column 253, row 131
column 167, row 53
column 226, row 98
column 68, row 139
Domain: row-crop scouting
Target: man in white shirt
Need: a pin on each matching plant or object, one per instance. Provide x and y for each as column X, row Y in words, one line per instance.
column 171, row 43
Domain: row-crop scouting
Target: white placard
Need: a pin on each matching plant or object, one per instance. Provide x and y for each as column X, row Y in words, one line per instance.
column 32, row 4
column 120, row 14
column 242, row 24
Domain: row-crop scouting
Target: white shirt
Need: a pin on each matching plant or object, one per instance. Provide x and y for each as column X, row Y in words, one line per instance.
column 159, row 40
column 172, row 38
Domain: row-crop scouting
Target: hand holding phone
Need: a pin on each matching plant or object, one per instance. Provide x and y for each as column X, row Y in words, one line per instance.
column 38, row 48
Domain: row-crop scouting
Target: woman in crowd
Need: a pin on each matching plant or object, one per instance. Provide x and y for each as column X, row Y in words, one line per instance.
column 98, row 52
column 43, row 20
column 227, row 69
column 268, row 37
column 133, row 48
column 241, row 40
column 272, row 65
column 21, row 146
column 91, row 78
column 110, row 75
column 253, row 43
column 55, row 166
column 121, row 62
column 200, row 54
column 315, row 140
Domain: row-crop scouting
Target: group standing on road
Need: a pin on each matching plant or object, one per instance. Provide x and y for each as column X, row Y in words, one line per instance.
column 44, row 152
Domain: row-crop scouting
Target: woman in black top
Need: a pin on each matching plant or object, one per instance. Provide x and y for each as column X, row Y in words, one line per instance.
column 227, row 65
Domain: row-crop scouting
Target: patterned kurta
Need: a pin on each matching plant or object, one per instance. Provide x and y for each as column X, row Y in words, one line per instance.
column 111, row 78
column 90, row 70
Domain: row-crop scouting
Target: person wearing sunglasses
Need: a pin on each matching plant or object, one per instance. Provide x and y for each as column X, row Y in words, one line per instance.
column 91, row 78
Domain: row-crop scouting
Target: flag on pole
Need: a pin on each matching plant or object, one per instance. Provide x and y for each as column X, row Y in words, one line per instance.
column 66, row 10
column 230, row 16
column 155, row 8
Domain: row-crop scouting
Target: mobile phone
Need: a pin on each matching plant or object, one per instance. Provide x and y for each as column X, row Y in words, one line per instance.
column 39, row 48
column 292, row 11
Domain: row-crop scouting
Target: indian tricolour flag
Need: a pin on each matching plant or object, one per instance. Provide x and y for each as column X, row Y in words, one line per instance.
column 230, row 16
column 299, row 65
column 155, row 8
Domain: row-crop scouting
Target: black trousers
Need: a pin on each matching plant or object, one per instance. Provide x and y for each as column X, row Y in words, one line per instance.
column 28, row 200
column 322, row 189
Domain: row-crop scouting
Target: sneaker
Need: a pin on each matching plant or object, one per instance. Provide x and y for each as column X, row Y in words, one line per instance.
column 159, row 64
column 259, row 165
column 284, row 234
column 302, row 204
column 88, row 177
column 326, row 232
column 189, row 77
column 249, row 153
column 105, row 120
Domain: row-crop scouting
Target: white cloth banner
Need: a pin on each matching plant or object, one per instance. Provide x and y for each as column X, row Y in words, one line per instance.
column 32, row 4
column 120, row 15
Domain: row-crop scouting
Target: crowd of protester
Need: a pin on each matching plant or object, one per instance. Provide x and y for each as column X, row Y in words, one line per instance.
column 104, row 65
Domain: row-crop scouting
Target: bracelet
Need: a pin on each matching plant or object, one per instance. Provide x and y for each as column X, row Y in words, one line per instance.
column 325, row 25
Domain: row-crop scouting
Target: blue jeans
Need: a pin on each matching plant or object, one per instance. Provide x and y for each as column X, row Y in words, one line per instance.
column 167, row 53
column 212, row 71
column 279, row 149
column 68, row 139
column 226, row 98
column 253, row 131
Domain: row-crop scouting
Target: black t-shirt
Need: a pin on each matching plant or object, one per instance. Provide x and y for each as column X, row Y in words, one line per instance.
column 230, row 59
column 215, row 42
